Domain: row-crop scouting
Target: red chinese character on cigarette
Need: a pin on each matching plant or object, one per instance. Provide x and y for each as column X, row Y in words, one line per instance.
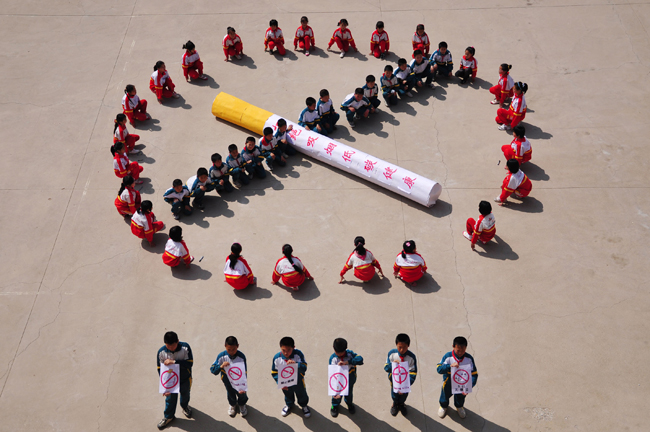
column 388, row 173
column 409, row 181
column 347, row 155
column 294, row 133
column 275, row 127
column 311, row 141
column 369, row 165
column 330, row 148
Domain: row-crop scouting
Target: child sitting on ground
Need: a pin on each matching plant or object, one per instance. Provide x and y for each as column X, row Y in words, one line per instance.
column 468, row 66
column 253, row 159
column 237, row 271
column 273, row 38
column 178, row 196
column 484, row 228
column 235, row 163
column 328, row 116
column 269, row 149
column 198, row 185
column 144, row 224
column 421, row 40
column 309, row 117
column 516, row 182
column 232, row 45
column 343, row 38
column 219, row 174
column 356, row 105
column 128, row 199
column 176, row 250
column 503, row 90
column 379, row 42
column 441, row 62
column 409, row 264
column 192, row 64
column 520, row 148
column 134, row 107
column 161, row 83
column 390, row 86
column 421, row 70
column 290, row 269
column 304, row 37
column 370, row 92
column 363, row 262
column 405, row 76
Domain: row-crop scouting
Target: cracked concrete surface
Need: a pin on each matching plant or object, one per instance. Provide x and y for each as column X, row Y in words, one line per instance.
column 549, row 307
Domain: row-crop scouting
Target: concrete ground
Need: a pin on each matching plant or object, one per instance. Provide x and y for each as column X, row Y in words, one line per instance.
column 556, row 310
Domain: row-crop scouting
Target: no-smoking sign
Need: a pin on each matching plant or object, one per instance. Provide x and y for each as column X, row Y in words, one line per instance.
column 235, row 373
column 461, row 377
column 338, row 382
column 287, row 372
column 169, row 379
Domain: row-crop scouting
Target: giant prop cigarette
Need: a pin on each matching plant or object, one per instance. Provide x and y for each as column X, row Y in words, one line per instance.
column 392, row 177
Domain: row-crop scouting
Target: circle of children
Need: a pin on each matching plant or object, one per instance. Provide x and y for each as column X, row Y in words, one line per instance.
column 275, row 149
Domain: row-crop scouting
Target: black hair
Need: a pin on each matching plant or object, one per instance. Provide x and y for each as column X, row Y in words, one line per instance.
column 324, row 93
column 268, row 131
column 118, row 119
column 359, row 242
column 189, row 45
column 404, row 338
column 129, row 88
column 282, row 122
column 408, row 247
column 170, row 337
column 229, row 29
column 417, row 52
column 250, row 138
column 232, row 148
column 513, row 165
column 506, row 67
column 176, row 233
column 419, row 27
column 342, row 21
column 380, row 24
column 442, row 44
column 310, row 101
column 388, row 68
column 216, row 157
column 460, row 341
column 340, row 345
column 370, row 78
column 273, row 22
column 287, row 341
column 232, row 341
column 145, row 207
column 287, row 250
column 304, row 19
column 401, row 62
column 519, row 130
column 521, row 86
column 235, row 250
column 358, row 90
column 158, row 64
column 471, row 50
column 126, row 181
column 201, row 171
column 485, row 208
column 177, row 182
column 117, row 147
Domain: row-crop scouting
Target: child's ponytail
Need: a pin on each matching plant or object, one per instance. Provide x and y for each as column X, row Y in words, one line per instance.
column 505, row 67
column 129, row 88
column 116, row 147
column 158, row 64
column 189, row 46
column 287, row 250
column 359, row 243
column 145, row 207
column 126, row 181
column 521, row 86
column 408, row 247
column 343, row 21
column 118, row 119
column 235, row 250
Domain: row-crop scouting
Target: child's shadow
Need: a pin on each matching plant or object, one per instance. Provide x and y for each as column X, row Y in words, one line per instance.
column 150, row 125
column 357, row 55
column 298, row 160
column 422, row 94
column 403, row 106
column 474, row 422
column 214, row 206
column 343, row 133
column 141, row 157
column 366, row 421
column 534, row 172
column 159, row 240
column 289, row 55
column 210, row 82
column 391, row 57
column 200, row 421
column 318, row 422
column 439, row 92
column 480, row 84
column 535, row 132
column 368, row 126
column 254, row 292
column 263, row 423
column 426, row 285
column 177, row 103
column 195, row 272
column 146, row 187
column 245, row 61
column 497, row 249
column 376, row 286
column 306, row 292
column 318, row 52
column 526, row 205
column 423, row 422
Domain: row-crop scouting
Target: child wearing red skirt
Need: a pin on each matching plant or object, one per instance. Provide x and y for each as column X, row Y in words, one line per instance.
column 343, row 38
column 290, row 269
column 134, row 107
column 520, row 148
column 161, row 83
column 144, row 224
column 509, row 118
column 483, row 229
column 121, row 164
column 363, row 262
column 232, row 45
column 176, row 250
column 409, row 264
column 304, row 37
column 128, row 199
column 121, row 134
column 192, row 64
column 379, row 42
column 516, row 182
column 273, row 38
column 503, row 89
column 237, row 271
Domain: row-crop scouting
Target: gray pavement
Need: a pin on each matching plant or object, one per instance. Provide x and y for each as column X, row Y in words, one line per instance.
column 556, row 311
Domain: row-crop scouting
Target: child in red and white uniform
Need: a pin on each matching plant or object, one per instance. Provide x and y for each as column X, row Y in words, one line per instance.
column 304, row 36
column 161, row 83
column 503, row 89
column 237, row 271
column 363, row 262
column 273, row 38
column 290, row 269
column 134, row 107
column 483, row 229
column 509, row 118
column 232, row 44
column 468, row 66
column 379, row 42
column 144, row 224
column 515, row 182
column 421, row 40
column 176, row 250
column 121, row 164
column 409, row 264
column 343, row 38
column 128, row 199
column 121, row 134
column 520, row 148
column 192, row 64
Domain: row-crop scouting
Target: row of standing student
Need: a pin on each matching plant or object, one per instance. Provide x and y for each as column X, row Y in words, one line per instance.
column 176, row 352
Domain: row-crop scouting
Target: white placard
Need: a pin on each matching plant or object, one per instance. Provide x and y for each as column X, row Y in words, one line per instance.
column 170, row 378
column 401, row 377
column 338, row 380
column 236, row 373
column 461, row 379
column 288, row 375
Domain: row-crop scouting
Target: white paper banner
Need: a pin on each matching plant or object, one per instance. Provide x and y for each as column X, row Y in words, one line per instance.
column 461, row 379
column 170, row 378
column 288, row 375
column 236, row 373
column 390, row 176
column 338, row 380
column 401, row 378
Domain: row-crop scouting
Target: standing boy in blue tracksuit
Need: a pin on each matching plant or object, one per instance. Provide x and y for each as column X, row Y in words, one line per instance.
column 253, row 159
column 390, row 87
column 179, row 197
column 219, row 175
column 198, row 185
column 175, row 352
column 231, row 356
column 441, row 62
column 270, row 151
column 421, row 69
column 343, row 356
column 235, row 163
column 400, row 354
column 310, row 118
column 287, row 355
column 455, row 358
column 370, row 92
column 356, row 105
column 325, row 108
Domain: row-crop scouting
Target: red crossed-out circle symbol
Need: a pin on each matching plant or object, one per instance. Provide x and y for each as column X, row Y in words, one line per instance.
column 461, row 376
column 400, row 374
column 287, row 372
column 235, row 373
column 338, row 382
column 169, row 379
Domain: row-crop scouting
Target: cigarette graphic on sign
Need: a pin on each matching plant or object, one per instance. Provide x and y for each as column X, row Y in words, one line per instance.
column 334, row 153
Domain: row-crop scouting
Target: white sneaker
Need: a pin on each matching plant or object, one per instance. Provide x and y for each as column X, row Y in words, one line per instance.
column 307, row 53
column 342, row 54
column 135, row 151
column 203, row 77
column 504, row 127
column 467, row 236
column 409, row 94
column 238, row 57
column 286, row 410
column 497, row 199
column 243, row 410
column 461, row 412
column 176, row 95
column 232, row 411
column 269, row 165
column 442, row 412
column 495, row 102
